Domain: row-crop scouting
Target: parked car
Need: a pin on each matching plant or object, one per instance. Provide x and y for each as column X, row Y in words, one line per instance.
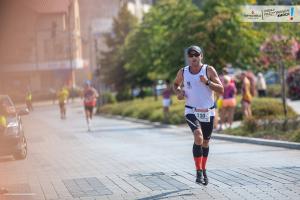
column 293, row 81
column 272, row 77
column 12, row 139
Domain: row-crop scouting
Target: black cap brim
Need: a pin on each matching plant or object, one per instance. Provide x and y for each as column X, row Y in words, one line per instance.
column 194, row 49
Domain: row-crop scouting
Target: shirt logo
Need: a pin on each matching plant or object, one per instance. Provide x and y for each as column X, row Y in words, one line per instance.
column 189, row 86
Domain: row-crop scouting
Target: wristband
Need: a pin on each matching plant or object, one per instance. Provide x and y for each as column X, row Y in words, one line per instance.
column 208, row 82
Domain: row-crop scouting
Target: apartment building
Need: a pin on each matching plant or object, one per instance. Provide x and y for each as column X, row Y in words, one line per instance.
column 40, row 45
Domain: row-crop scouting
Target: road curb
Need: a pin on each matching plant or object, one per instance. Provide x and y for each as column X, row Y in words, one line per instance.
column 259, row 141
column 232, row 138
column 146, row 122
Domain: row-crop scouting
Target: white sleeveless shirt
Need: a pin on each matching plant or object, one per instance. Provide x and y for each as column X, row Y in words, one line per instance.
column 197, row 94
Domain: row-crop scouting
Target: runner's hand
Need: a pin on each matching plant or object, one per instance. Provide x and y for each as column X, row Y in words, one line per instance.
column 203, row 79
column 180, row 95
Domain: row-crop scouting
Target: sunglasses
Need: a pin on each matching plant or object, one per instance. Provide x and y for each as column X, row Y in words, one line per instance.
column 194, row 55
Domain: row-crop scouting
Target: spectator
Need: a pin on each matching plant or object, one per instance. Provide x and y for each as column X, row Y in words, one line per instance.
column 28, row 100
column 261, row 85
column 3, row 117
column 219, row 102
column 229, row 102
column 62, row 95
column 246, row 96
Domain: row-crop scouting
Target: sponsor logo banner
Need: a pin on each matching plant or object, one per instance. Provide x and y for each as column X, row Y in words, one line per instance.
column 252, row 13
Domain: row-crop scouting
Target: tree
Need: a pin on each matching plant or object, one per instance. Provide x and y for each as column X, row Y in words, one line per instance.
column 156, row 49
column 279, row 48
column 226, row 39
column 112, row 61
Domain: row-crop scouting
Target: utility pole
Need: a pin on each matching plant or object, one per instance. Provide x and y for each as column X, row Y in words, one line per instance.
column 91, row 52
column 36, row 46
column 70, row 52
column 282, row 73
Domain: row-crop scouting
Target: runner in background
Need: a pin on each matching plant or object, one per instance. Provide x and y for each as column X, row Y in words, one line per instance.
column 90, row 96
column 63, row 95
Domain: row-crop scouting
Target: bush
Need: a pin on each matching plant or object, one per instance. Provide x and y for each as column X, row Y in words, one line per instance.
column 269, row 128
column 128, row 111
column 157, row 116
column 274, row 90
column 264, row 107
column 177, row 114
column 176, row 119
column 296, row 136
column 250, row 125
column 144, row 112
column 148, row 91
column 117, row 109
column 267, row 107
column 108, row 97
column 106, row 109
column 123, row 96
column 147, row 108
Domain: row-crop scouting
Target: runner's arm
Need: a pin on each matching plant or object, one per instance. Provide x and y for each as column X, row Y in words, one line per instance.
column 96, row 94
column 215, row 83
column 177, row 85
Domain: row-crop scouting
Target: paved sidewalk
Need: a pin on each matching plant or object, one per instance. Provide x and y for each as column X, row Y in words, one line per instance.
column 295, row 105
column 126, row 160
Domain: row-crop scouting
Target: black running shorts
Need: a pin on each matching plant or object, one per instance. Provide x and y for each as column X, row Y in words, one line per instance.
column 206, row 127
column 89, row 108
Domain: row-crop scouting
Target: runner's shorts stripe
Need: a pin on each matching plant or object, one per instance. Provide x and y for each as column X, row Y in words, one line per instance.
column 206, row 127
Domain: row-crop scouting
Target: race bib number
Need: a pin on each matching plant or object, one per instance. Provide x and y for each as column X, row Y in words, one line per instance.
column 202, row 116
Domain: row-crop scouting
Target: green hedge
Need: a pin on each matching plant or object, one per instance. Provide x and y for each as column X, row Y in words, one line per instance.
column 152, row 110
column 108, row 97
column 271, row 128
column 274, row 90
column 263, row 108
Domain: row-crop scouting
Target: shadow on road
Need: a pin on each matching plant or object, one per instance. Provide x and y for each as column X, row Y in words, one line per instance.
column 166, row 195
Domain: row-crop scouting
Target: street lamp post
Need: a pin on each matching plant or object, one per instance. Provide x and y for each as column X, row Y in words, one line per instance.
column 282, row 73
column 70, row 54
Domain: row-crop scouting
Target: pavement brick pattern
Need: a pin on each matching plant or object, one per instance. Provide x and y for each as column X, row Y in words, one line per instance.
column 125, row 160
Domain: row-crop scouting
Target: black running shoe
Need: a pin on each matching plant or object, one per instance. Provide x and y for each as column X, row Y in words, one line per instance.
column 199, row 178
column 205, row 178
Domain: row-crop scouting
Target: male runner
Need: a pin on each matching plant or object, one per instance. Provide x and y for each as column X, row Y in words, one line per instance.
column 196, row 83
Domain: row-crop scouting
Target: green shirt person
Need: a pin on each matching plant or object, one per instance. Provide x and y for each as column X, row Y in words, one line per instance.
column 28, row 96
column 28, row 100
column 3, row 120
column 63, row 95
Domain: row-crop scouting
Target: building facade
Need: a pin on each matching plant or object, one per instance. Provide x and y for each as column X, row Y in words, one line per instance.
column 41, row 45
column 96, row 21
column 50, row 43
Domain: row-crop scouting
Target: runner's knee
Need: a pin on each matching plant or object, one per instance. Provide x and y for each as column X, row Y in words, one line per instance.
column 198, row 137
column 205, row 143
